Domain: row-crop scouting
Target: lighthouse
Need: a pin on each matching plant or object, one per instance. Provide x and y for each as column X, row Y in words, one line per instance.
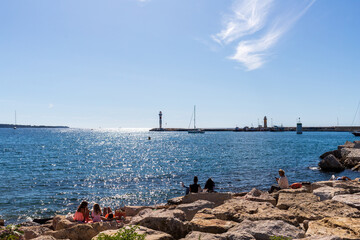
column 160, row 120
column 265, row 122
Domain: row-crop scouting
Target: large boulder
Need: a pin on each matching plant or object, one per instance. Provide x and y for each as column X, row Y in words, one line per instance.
column 204, row 222
column 172, row 222
column 352, row 200
column 336, row 153
column 331, row 164
column 263, row 230
column 82, row 231
column 134, row 210
column 33, row 231
column 62, row 222
column 191, row 209
column 344, row 228
column 319, row 210
column 217, row 198
column 44, row 237
column 150, row 234
column 195, row 235
column 344, row 152
column 354, row 154
column 239, row 209
column 287, row 200
column 260, row 196
column 325, row 193
column 347, row 144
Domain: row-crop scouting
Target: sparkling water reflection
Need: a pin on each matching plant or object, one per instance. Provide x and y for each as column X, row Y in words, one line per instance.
column 49, row 171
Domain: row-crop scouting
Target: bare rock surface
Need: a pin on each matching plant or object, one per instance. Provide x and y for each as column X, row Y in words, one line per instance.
column 134, row 210
column 44, row 237
column 205, row 222
column 319, row 210
column 169, row 221
column 352, row 200
column 217, row 198
column 33, row 231
column 344, row 228
column 195, row 235
column 191, row 209
column 264, row 229
column 260, row 196
column 239, row 209
column 150, row 234
column 331, row 164
column 287, row 200
column 82, row 231
column 326, row 193
column 61, row 222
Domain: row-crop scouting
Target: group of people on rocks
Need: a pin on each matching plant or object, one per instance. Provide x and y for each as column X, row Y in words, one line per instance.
column 83, row 214
column 196, row 188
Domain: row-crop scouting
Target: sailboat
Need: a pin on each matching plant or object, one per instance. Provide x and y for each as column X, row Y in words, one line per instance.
column 195, row 130
column 15, row 121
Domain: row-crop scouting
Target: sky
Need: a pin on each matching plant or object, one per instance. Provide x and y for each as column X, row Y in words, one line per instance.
column 117, row 63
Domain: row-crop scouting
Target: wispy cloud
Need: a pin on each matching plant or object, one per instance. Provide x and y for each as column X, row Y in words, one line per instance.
column 256, row 26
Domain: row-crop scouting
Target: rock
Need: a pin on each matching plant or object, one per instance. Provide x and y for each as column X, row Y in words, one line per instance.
column 320, row 238
column 347, row 144
column 263, row 230
column 307, row 189
column 318, row 210
column 354, row 154
column 204, row 222
column 336, row 153
column 357, row 144
column 331, row 164
column 356, row 168
column 195, row 235
column 44, row 238
column 325, row 193
column 320, row 184
column 175, row 201
column 2, row 222
column 61, row 222
column 352, row 186
column 83, row 231
column 133, row 210
column 169, row 221
column 344, row 152
column 150, row 234
column 353, row 200
column 260, row 196
column 239, row 209
column 350, row 162
column 217, row 198
column 344, row 228
column 33, row 231
column 287, row 200
column 191, row 209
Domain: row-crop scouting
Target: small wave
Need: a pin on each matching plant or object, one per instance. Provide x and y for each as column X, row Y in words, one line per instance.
column 314, row 168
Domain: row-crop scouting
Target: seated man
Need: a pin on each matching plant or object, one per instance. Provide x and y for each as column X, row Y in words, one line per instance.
column 282, row 182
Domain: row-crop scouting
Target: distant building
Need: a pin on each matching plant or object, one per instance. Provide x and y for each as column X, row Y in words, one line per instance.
column 265, row 122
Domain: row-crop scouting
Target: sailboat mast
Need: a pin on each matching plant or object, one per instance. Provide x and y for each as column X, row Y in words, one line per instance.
column 15, row 118
column 194, row 117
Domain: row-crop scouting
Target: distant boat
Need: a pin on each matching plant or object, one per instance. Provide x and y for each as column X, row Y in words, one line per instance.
column 356, row 134
column 195, row 130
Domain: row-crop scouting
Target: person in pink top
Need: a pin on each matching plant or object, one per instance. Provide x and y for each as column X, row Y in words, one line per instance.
column 82, row 213
column 96, row 213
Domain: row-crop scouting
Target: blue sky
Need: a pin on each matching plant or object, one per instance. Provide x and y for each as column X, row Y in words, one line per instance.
column 118, row 63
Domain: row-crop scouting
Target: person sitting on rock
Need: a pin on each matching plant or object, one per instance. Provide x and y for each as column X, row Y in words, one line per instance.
column 343, row 178
column 96, row 213
column 187, row 189
column 209, row 185
column 282, row 182
column 82, row 213
column 195, row 187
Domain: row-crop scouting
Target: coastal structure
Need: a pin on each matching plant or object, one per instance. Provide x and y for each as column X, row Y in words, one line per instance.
column 265, row 122
column 160, row 120
column 299, row 127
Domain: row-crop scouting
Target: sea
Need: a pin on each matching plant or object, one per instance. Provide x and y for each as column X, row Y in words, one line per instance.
column 45, row 172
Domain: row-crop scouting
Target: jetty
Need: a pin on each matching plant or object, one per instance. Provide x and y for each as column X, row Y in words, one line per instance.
column 268, row 129
column 29, row 126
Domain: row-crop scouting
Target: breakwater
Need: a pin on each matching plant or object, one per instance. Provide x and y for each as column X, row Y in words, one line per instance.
column 29, row 126
column 270, row 129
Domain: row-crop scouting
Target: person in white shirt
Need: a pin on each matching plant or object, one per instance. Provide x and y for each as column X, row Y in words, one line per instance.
column 282, row 182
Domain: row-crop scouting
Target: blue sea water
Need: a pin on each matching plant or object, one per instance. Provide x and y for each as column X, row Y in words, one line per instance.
column 50, row 171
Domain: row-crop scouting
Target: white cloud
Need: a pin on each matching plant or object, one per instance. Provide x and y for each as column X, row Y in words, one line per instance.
column 261, row 21
column 51, row 105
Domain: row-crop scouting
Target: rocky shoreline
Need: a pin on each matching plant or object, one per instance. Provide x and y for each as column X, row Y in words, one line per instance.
column 346, row 156
column 326, row 210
